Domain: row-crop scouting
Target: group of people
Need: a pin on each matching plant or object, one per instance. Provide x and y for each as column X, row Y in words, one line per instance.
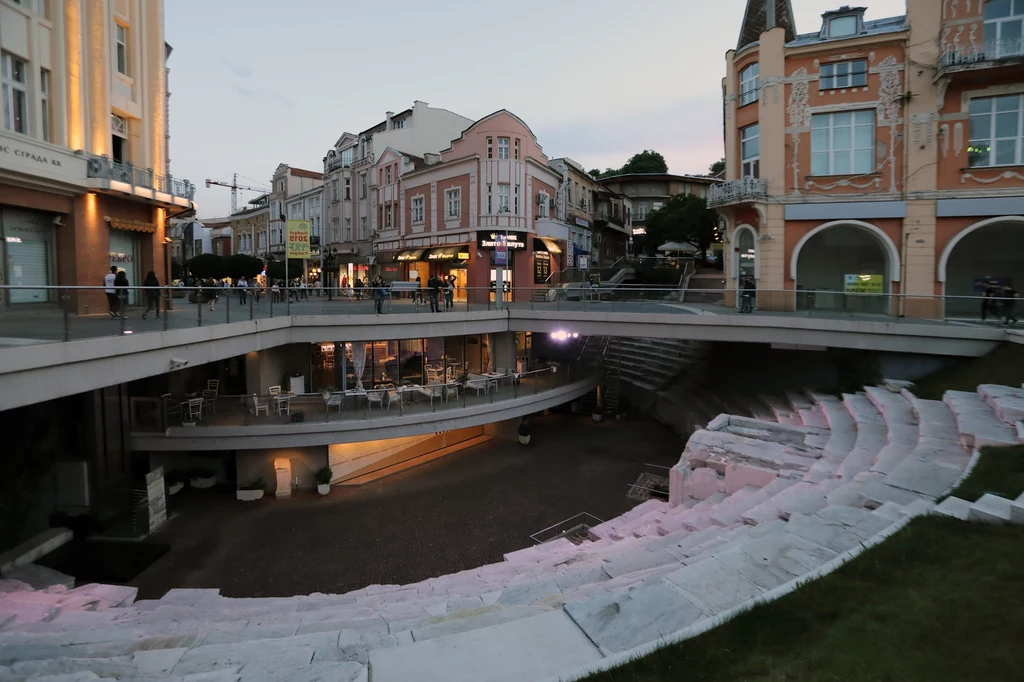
column 439, row 290
column 999, row 302
column 116, row 287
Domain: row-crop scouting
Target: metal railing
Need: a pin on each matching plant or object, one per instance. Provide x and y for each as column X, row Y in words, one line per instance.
column 733, row 191
column 47, row 314
column 990, row 51
column 375, row 401
column 113, row 171
column 614, row 218
column 579, row 524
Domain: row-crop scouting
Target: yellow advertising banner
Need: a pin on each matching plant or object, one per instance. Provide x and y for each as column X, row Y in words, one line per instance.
column 297, row 239
column 864, row 284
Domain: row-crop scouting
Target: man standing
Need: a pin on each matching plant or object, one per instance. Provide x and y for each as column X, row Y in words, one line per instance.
column 378, row 295
column 433, row 286
column 747, row 296
column 113, row 302
column 243, row 285
column 449, row 292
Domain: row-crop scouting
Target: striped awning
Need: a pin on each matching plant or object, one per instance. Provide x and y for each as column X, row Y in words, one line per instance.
column 131, row 225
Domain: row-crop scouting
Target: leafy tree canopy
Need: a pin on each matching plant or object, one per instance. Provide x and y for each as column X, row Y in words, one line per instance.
column 717, row 167
column 647, row 161
column 207, row 265
column 683, row 218
column 275, row 269
column 242, row 265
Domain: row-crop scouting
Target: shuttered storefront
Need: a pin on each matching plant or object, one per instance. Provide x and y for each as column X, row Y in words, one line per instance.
column 28, row 238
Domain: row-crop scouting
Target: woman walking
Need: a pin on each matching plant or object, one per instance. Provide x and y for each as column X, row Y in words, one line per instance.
column 152, row 294
column 121, row 283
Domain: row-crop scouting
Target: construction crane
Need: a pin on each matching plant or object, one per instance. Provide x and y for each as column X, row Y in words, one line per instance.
column 234, row 190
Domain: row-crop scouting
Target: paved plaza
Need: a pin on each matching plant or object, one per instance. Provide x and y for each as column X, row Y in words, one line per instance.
column 458, row 512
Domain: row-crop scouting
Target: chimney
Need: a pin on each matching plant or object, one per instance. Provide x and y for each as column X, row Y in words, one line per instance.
column 769, row 15
column 388, row 116
column 431, row 159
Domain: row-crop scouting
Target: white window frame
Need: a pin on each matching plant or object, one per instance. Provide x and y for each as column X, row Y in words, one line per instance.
column 833, row 20
column 996, row 46
column 334, row 190
column 14, row 95
column 387, row 215
column 504, row 192
column 387, row 175
column 122, row 40
column 503, row 146
column 855, row 75
column 517, row 149
column 750, row 84
column 545, row 205
column 490, row 199
column 827, row 122
column 641, row 210
column 362, row 228
column 515, row 205
column 348, row 189
column 490, row 147
column 992, row 142
column 418, row 204
column 750, row 166
column 362, row 186
column 45, row 86
column 453, row 203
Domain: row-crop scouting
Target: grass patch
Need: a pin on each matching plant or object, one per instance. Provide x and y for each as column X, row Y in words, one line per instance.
column 1004, row 365
column 940, row 600
column 999, row 471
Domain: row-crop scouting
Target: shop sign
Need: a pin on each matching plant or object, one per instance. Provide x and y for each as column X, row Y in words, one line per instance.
column 584, row 261
column 572, row 254
column 298, row 239
column 514, row 241
column 581, row 222
column 116, row 257
column 863, row 284
column 463, row 255
column 156, row 498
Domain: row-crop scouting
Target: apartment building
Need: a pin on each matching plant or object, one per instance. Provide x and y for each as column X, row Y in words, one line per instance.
column 286, row 188
column 876, row 164
column 249, row 228
column 84, row 183
column 352, row 212
column 482, row 205
column 648, row 192
column 574, row 207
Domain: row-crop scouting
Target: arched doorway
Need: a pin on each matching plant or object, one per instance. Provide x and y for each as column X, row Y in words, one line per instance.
column 745, row 263
column 846, row 266
column 989, row 253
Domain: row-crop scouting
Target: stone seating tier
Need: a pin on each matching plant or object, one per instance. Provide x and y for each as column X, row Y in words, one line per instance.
column 754, row 505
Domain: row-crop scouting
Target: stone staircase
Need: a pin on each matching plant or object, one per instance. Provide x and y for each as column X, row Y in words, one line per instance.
column 757, row 503
column 706, row 287
column 652, row 364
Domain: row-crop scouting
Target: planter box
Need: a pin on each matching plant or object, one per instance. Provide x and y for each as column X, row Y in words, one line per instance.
column 175, row 488
column 323, row 488
column 203, row 482
column 249, row 495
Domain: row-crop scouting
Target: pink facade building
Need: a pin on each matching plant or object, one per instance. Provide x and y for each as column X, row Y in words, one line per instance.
column 449, row 213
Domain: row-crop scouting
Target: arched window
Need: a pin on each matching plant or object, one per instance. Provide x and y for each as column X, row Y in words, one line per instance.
column 749, row 84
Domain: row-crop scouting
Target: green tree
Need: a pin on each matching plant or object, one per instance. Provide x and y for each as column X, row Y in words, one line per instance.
column 717, row 167
column 684, row 218
column 177, row 269
column 275, row 269
column 647, row 161
column 242, row 265
column 207, row 265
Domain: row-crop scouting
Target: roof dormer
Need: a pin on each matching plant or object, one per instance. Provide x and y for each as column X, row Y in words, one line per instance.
column 844, row 22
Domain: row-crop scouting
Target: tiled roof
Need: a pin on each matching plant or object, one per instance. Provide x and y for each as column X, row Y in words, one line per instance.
column 754, row 21
column 301, row 173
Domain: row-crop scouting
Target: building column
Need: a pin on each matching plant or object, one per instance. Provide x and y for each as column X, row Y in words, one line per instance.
column 775, row 288
column 919, row 261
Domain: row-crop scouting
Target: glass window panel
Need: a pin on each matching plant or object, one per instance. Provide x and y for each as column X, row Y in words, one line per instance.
column 860, row 79
column 981, row 106
column 1010, row 103
column 841, row 138
column 1006, row 152
column 819, row 140
column 981, row 127
column 842, row 68
column 819, row 122
column 842, row 163
column 996, row 9
column 819, row 163
column 1006, row 124
column 827, row 70
column 862, row 161
column 843, row 119
column 865, row 117
column 1010, row 34
column 978, row 153
column 863, row 137
column 842, row 26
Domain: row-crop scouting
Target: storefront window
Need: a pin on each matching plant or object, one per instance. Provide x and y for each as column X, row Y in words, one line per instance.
column 27, row 252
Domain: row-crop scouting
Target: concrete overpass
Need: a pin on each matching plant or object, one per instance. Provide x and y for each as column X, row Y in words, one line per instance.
column 45, row 371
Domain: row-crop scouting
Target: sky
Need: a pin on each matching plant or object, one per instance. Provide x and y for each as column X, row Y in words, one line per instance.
column 255, row 83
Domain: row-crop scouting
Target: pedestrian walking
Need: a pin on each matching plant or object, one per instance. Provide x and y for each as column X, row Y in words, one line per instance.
column 303, row 291
column 243, row 286
column 433, row 287
column 989, row 305
column 275, row 293
column 358, row 287
column 113, row 302
column 152, row 293
column 449, row 292
column 378, row 294
column 747, row 296
column 210, row 292
column 419, row 290
column 1009, row 299
column 121, row 283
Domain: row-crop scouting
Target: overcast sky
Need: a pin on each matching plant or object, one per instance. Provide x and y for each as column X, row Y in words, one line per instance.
column 255, row 83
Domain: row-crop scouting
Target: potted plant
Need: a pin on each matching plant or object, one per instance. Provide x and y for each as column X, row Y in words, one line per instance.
column 326, row 392
column 202, row 478
column 251, row 492
column 323, row 480
column 524, row 432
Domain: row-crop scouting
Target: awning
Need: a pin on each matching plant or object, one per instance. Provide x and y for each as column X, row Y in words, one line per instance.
column 409, row 255
column 549, row 245
column 447, row 254
column 131, row 225
column 678, row 246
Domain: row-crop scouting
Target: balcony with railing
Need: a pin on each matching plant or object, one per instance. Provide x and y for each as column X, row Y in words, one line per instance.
column 104, row 173
column 613, row 218
column 737, row 191
column 991, row 54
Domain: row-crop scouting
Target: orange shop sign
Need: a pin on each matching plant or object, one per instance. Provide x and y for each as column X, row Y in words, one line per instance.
column 297, row 239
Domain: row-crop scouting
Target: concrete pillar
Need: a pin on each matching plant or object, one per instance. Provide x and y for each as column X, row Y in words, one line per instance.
column 96, row 69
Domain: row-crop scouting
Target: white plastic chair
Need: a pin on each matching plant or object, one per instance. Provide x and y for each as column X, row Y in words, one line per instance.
column 195, row 409
column 260, row 407
column 274, row 390
column 334, row 400
column 393, row 395
column 375, row 396
column 283, row 404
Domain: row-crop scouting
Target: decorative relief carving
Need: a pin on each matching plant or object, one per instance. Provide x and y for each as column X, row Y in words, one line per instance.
column 940, row 92
column 846, row 182
column 799, row 112
column 923, row 128
column 1005, row 175
column 958, row 138
column 944, row 133
column 890, row 109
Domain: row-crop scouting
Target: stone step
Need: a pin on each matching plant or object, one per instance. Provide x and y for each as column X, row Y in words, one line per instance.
column 901, row 425
column 774, row 559
column 803, row 497
column 870, row 490
column 890, row 511
column 977, row 423
column 955, row 507
column 703, row 518
column 783, row 410
column 1006, row 401
column 733, row 514
column 990, row 509
column 871, row 436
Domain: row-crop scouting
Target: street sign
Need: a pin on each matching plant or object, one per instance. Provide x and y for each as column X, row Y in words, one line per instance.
column 297, row 239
